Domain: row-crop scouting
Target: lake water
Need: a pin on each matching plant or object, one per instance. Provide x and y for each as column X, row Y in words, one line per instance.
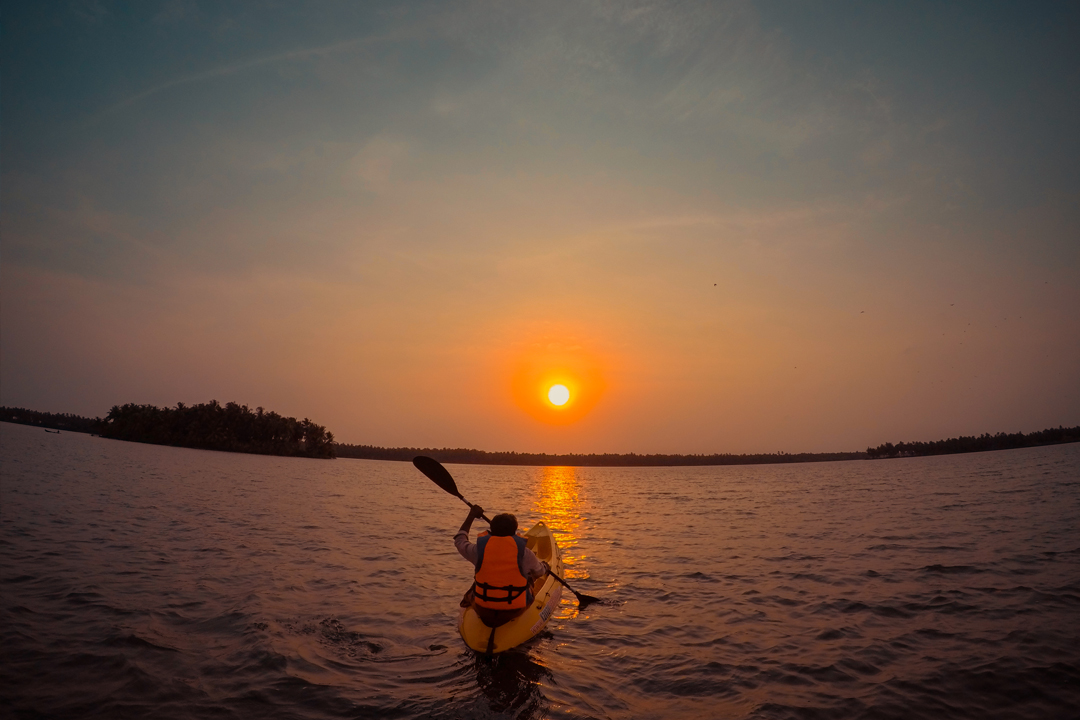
column 153, row 582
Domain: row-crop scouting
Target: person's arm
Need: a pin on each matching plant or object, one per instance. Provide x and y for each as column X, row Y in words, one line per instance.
column 532, row 565
column 461, row 539
column 474, row 512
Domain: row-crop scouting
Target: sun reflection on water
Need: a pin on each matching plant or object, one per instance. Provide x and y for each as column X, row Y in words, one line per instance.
column 558, row 503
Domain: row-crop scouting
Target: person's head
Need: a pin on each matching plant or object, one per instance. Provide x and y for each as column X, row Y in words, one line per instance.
column 504, row 524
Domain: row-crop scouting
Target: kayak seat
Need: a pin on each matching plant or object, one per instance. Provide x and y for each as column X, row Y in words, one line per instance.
column 541, row 547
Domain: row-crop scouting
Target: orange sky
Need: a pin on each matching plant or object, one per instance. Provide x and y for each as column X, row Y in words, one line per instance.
column 725, row 230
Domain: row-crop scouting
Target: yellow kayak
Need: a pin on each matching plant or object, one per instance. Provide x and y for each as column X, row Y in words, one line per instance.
column 547, row 593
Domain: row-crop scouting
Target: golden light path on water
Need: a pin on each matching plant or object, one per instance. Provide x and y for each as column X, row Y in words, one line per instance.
column 558, row 503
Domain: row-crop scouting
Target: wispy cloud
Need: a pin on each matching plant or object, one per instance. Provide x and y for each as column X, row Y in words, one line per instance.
column 234, row 68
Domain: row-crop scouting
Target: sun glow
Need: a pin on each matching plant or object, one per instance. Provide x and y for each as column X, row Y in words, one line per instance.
column 558, row 395
column 555, row 379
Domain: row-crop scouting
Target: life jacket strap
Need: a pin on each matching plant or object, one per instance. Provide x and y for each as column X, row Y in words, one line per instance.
column 513, row 592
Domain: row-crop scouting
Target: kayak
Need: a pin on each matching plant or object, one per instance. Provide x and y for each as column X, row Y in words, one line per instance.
column 547, row 593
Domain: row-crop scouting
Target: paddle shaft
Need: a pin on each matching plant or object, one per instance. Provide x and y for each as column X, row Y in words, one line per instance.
column 582, row 599
column 482, row 517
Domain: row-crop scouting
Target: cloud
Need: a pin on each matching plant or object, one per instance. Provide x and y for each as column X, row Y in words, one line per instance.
column 377, row 162
column 76, row 234
column 176, row 11
column 91, row 12
column 238, row 67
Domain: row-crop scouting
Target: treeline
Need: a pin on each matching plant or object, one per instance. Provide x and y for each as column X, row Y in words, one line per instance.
column 237, row 428
column 54, row 421
column 206, row 426
column 982, row 443
column 212, row 426
column 482, row 457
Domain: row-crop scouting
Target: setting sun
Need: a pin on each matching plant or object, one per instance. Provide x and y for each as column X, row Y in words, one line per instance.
column 558, row 394
column 554, row 376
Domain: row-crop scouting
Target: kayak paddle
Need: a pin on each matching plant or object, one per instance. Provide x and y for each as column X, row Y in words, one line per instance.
column 583, row 600
column 442, row 477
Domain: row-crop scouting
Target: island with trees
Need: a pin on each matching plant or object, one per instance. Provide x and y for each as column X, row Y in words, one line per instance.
column 204, row 426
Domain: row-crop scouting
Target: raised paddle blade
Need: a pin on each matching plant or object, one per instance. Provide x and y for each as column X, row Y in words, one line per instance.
column 441, row 477
column 436, row 473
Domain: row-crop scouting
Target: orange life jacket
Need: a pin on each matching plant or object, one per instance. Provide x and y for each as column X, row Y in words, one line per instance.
column 500, row 578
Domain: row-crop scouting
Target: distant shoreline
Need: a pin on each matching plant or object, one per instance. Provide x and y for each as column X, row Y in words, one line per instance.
column 951, row 446
column 466, row 456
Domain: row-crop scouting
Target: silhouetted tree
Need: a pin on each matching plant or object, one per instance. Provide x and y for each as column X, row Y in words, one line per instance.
column 211, row 426
column 55, row 421
column 982, row 443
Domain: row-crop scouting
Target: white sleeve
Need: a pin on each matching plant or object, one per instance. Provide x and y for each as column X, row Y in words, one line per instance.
column 466, row 548
column 532, row 565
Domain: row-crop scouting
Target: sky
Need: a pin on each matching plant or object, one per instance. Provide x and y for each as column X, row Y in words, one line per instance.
column 726, row 227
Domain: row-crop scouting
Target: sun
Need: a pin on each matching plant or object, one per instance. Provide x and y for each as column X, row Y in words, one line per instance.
column 558, row 394
column 554, row 378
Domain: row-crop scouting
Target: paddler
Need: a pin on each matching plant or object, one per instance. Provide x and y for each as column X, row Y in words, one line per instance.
column 505, row 568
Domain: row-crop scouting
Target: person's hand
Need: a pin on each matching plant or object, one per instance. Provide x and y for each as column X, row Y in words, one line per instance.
column 546, row 566
column 476, row 511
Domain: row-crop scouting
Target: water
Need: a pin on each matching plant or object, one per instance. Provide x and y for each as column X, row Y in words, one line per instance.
column 152, row 582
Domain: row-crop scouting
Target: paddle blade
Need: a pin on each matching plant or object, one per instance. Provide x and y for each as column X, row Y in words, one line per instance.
column 436, row 473
column 584, row 601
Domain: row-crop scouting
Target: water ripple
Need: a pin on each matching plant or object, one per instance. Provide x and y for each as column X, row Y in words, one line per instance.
column 147, row 582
